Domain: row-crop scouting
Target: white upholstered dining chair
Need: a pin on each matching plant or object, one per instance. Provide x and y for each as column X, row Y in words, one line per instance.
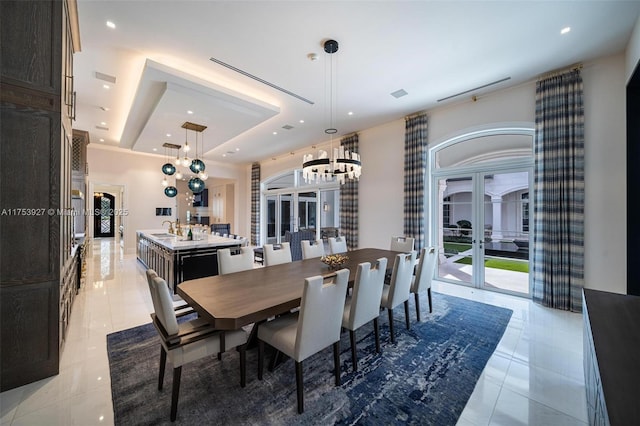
column 275, row 256
column 337, row 245
column 229, row 263
column 424, row 274
column 403, row 244
column 363, row 306
column 397, row 291
column 188, row 341
column 312, row 250
column 313, row 328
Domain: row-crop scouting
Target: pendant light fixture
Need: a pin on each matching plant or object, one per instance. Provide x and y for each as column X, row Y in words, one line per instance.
column 196, row 166
column 338, row 163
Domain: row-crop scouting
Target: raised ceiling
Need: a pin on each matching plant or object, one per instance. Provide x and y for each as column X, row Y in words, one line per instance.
column 157, row 64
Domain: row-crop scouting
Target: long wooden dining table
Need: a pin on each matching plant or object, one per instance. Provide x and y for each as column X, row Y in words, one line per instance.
column 234, row 300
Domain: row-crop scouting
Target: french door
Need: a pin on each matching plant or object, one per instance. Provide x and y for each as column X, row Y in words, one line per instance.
column 482, row 223
column 290, row 211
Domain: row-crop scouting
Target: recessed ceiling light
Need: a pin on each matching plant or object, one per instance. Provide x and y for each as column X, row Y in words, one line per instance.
column 104, row 123
column 101, row 140
column 106, row 86
column 565, row 30
column 168, row 135
column 301, row 121
column 275, row 133
column 350, row 113
column 224, row 155
column 237, row 149
column 155, row 149
column 111, row 25
column 189, row 112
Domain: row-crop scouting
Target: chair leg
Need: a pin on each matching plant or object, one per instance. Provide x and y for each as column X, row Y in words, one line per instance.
column 417, row 297
column 354, row 360
column 176, row 390
column 376, row 331
column 299, row 387
column 393, row 337
column 429, row 294
column 163, row 362
column 406, row 314
column 336, row 361
column 260, row 358
column 243, row 365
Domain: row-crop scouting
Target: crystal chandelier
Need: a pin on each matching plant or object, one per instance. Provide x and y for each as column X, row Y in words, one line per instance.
column 339, row 162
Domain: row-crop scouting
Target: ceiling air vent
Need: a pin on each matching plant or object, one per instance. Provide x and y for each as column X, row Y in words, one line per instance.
column 102, row 128
column 287, row 127
column 105, row 77
column 475, row 88
column 399, row 93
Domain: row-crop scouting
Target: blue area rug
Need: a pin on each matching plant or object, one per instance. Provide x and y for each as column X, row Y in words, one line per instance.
column 425, row 378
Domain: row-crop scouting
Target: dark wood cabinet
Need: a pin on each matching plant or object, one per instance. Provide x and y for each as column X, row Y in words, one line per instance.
column 36, row 224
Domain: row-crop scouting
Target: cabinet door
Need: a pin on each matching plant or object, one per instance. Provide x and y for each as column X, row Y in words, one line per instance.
column 31, row 41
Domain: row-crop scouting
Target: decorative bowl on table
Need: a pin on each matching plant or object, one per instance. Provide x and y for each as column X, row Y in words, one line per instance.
column 334, row 261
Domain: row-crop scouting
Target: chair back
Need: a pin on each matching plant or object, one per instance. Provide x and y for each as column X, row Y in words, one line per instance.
column 229, row 263
column 403, row 244
column 273, row 256
column 163, row 305
column 312, row 250
column 337, row 245
column 367, row 292
column 151, row 274
column 320, row 316
column 295, row 238
column 426, row 267
column 400, row 284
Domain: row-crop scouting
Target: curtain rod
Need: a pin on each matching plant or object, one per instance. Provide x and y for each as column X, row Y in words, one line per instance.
column 575, row 67
column 415, row 114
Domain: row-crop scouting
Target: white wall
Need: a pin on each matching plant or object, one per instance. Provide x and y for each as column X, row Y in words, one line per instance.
column 141, row 177
column 605, row 175
column 382, row 151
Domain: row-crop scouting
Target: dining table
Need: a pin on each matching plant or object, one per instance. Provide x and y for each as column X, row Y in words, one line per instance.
column 233, row 301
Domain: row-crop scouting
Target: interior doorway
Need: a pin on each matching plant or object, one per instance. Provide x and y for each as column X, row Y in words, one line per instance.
column 103, row 214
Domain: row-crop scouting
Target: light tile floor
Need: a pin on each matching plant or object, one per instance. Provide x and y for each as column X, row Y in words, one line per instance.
column 533, row 378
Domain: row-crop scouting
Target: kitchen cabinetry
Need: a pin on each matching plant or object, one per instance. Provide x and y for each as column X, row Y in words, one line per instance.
column 222, row 202
column 36, row 248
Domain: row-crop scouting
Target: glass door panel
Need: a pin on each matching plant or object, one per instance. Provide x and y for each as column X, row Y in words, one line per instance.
column 307, row 206
column 287, row 215
column 455, row 229
column 506, row 231
column 272, row 215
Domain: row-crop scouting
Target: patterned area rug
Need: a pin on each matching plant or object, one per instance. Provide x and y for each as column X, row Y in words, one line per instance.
column 425, row 378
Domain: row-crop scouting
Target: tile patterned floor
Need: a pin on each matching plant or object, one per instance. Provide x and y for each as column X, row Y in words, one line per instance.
column 533, row 378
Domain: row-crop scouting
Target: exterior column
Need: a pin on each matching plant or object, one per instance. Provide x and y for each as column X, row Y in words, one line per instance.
column 496, row 231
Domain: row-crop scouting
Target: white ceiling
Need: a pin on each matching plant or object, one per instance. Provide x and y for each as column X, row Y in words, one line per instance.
column 159, row 54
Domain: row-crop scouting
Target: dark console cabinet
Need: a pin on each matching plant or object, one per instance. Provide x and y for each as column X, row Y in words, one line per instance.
column 611, row 357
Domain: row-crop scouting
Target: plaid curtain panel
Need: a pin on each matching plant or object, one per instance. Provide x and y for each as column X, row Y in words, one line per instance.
column 255, row 204
column 415, row 166
column 558, row 255
column 349, row 200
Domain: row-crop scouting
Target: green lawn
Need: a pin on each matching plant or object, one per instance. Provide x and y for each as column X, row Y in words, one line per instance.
column 506, row 264
column 501, row 263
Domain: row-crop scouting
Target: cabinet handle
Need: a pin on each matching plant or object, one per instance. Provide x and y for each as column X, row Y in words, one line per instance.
column 68, row 95
column 73, row 101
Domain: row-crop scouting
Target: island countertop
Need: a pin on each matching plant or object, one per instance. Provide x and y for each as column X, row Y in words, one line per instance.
column 174, row 242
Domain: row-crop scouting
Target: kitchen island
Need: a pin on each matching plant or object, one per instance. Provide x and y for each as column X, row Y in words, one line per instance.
column 177, row 259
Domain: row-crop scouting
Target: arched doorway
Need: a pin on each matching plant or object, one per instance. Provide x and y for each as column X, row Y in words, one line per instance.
column 103, row 217
column 480, row 186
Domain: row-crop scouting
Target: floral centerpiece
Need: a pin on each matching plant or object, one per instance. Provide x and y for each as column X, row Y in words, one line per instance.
column 334, row 261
